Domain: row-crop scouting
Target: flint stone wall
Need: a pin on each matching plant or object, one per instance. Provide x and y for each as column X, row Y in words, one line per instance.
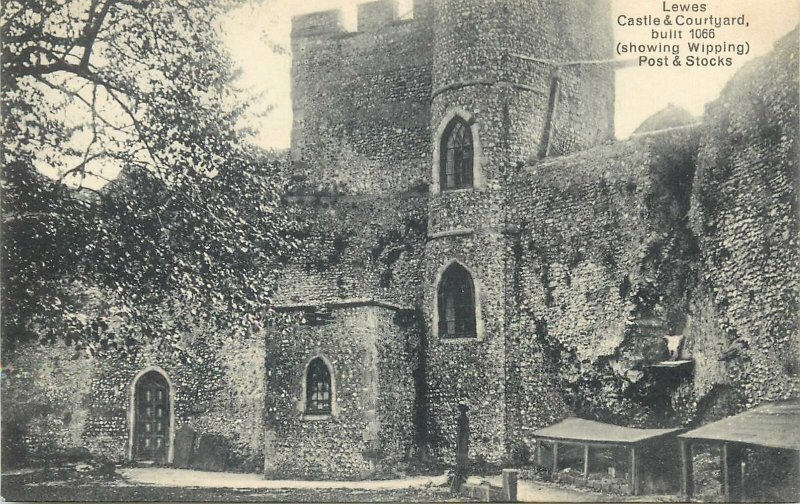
column 743, row 330
column 369, row 351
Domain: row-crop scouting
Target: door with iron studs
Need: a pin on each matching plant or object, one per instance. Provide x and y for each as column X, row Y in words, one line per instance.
column 152, row 418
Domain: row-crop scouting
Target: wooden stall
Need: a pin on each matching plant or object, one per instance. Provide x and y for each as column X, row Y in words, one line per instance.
column 773, row 426
column 589, row 434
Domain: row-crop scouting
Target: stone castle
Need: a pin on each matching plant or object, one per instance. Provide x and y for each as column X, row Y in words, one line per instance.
column 484, row 240
column 475, row 235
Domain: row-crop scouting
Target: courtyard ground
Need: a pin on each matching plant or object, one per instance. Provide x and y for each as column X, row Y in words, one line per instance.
column 75, row 483
column 72, row 484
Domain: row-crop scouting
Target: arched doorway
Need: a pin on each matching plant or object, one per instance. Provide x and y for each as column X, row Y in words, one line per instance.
column 152, row 425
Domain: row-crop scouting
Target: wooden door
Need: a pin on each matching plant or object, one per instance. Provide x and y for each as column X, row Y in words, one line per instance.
column 152, row 418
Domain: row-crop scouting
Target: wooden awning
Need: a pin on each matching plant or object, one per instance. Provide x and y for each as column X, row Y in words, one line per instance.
column 588, row 433
column 579, row 430
column 774, row 425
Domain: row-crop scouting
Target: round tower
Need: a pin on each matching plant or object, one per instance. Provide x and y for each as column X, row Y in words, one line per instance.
column 512, row 80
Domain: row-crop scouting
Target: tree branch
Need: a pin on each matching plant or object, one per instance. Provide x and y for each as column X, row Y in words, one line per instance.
column 91, row 31
column 77, row 95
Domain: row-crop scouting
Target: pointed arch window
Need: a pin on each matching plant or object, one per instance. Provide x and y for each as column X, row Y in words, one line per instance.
column 318, row 388
column 456, row 163
column 456, row 300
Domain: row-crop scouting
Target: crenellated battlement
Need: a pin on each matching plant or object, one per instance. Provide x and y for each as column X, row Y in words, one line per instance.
column 375, row 15
column 372, row 17
column 361, row 99
column 327, row 22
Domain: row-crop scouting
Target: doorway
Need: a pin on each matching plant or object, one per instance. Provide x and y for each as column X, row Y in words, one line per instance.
column 151, row 436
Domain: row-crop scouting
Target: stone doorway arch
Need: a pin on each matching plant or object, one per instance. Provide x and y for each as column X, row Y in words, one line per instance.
column 151, row 417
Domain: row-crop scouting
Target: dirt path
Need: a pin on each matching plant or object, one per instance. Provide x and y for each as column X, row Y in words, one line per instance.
column 206, row 479
column 527, row 491
column 532, row 491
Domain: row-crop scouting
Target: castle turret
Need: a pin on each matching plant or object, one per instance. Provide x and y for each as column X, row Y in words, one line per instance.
column 511, row 80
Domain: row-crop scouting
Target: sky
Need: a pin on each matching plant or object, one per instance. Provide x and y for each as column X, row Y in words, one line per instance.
column 257, row 35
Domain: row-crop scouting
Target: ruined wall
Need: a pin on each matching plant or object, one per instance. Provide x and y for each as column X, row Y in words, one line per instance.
column 64, row 400
column 743, row 331
column 361, row 100
column 45, row 401
column 372, row 419
column 601, row 254
column 687, row 231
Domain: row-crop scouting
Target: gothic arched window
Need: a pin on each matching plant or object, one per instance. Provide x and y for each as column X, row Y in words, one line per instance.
column 318, row 388
column 456, row 300
column 455, row 165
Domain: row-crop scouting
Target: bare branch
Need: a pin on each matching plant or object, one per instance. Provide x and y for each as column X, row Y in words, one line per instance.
column 86, row 158
column 92, row 29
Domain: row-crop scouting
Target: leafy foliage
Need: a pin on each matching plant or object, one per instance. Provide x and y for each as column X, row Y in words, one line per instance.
column 191, row 227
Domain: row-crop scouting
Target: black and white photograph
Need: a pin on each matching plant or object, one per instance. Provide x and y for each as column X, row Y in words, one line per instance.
column 400, row 251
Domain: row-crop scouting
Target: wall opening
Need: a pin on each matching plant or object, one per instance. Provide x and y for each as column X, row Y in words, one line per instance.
column 151, row 417
column 456, row 303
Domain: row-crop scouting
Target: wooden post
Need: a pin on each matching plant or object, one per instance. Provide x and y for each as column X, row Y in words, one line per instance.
column 744, row 472
column 733, row 455
column 539, row 453
column 485, row 492
column 510, row 477
column 797, row 469
column 586, row 461
column 726, row 489
column 634, row 471
column 555, row 458
column 738, row 490
column 687, row 471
